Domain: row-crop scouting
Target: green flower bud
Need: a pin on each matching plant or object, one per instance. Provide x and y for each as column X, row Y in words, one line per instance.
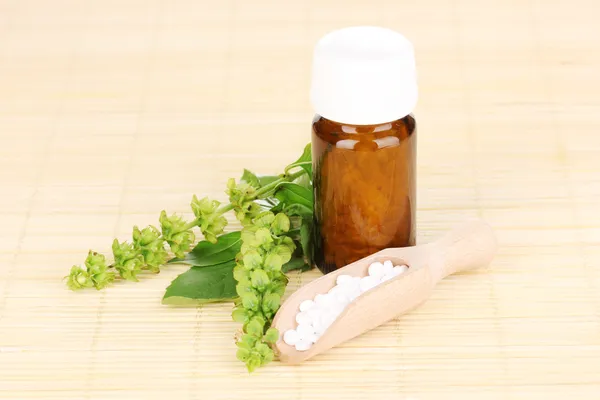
column 79, row 278
column 271, row 302
column 250, row 301
column 255, row 327
column 263, row 349
column 273, row 262
column 263, row 236
column 149, row 243
column 284, row 252
column 271, row 336
column 239, row 314
column 248, row 341
column 267, row 357
column 204, row 207
column 281, row 224
column 98, row 270
column 175, row 233
column 130, row 269
column 95, row 260
column 244, row 287
column 145, row 236
column 264, row 219
column 253, row 362
column 259, row 279
column 278, row 287
column 230, row 184
column 240, row 273
column 252, row 259
column 103, row 279
column 288, row 241
column 242, row 354
column 128, row 261
column 211, row 222
column 249, row 238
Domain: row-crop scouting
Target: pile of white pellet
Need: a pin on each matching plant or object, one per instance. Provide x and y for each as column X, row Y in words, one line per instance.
column 316, row 315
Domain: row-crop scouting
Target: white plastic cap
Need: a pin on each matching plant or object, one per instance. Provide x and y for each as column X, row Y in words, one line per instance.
column 364, row 75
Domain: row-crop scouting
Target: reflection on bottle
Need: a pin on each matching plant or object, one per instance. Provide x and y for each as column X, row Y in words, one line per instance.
column 346, row 144
column 388, row 141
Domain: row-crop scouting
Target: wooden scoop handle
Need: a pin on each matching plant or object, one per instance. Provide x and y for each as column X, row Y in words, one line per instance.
column 469, row 246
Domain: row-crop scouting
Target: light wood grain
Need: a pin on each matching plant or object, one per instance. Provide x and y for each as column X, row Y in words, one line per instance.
column 113, row 110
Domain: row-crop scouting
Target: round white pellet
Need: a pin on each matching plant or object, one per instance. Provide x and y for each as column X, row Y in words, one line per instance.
column 313, row 338
column 387, row 277
column 348, row 288
column 334, row 291
column 323, row 300
column 306, row 305
column 343, row 279
column 291, row 337
column 400, row 269
column 327, row 319
column 376, row 269
column 315, row 313
column 368, row 283
column 305, row 330
column 303, row 318
column 354, row 293
column 338, row 309
column 318, row 326
column 303, row 345
column 387, row 267
column 342, row 298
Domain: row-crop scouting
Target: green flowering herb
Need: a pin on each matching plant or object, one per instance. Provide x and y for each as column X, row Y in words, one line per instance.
column 264, row 250
column 98, row 270
column 247, row 267
column 79, row 278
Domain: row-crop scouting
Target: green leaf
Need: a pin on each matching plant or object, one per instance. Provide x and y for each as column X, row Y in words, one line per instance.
column 298, row 209
column 292, row 193
column 305, row 241
column 266, row 179
column 250, row 178
column 206, row 253
column 200, row 285
column 305, row 181
column 296, row 263
column 305, row 161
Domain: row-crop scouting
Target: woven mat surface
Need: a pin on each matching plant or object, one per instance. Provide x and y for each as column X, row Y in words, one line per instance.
column 112, row 110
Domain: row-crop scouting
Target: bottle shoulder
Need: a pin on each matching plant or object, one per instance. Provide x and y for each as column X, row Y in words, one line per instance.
column 334, row 132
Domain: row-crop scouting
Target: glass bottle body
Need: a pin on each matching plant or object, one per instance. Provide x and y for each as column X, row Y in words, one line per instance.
column 364, row 186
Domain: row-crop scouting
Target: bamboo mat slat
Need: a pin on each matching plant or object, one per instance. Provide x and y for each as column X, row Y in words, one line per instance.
column 113, row 110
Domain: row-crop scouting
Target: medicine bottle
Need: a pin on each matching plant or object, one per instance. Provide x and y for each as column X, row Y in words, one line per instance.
column 363, row 91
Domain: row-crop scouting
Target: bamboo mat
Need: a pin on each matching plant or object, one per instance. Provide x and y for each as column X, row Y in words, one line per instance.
column 112, row 110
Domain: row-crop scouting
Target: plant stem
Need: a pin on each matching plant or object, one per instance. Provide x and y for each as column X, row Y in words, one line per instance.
column 275, row 183
column 260, row 192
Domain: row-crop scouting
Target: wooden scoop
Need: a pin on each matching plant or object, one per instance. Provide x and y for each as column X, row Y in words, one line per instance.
column 470, row 246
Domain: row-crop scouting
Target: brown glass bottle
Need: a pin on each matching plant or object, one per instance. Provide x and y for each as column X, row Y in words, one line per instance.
column 364, row 184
